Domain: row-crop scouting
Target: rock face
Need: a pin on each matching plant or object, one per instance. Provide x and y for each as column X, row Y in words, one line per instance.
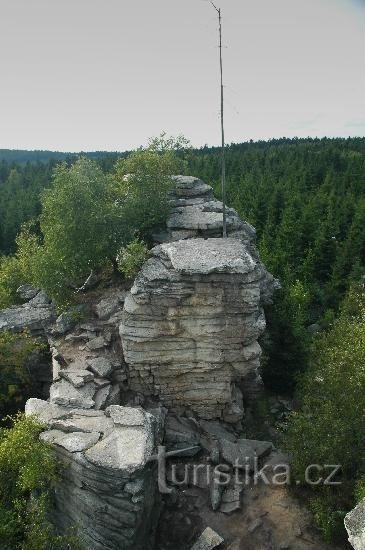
column 193, row 316
column 355, row 526
column 108, row 487
column 36, row 315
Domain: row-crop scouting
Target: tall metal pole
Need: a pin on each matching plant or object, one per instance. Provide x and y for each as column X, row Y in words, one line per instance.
column 223, row 160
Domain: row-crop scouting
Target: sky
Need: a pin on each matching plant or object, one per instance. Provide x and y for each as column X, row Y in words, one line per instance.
column 108, row 74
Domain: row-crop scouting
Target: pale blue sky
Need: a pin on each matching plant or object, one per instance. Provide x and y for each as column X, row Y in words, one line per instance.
column 108, row 74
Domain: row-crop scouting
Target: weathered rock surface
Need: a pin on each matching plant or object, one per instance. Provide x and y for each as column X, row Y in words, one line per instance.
column 208, row 540
column 108, row 487
column 190, row 325
column 355, row 526
column 36, row 316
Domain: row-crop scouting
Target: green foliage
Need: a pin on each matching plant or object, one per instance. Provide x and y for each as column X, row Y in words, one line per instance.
column 78, row 222
column 11, row 277
column 87, row 217
column 330, row 426
column 142, row 181
column 28, row 471
column 328, row 517
column 14, row 379
column 131, row 257
column 18, row 269
column 286, row 342
column 360, row 489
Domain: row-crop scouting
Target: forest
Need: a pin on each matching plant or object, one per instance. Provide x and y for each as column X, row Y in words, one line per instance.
column 306, row 199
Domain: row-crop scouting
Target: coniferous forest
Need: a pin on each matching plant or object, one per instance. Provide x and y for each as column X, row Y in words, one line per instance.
column 306, row 199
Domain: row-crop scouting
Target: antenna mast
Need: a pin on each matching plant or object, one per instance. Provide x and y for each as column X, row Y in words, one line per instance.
column 223, row 160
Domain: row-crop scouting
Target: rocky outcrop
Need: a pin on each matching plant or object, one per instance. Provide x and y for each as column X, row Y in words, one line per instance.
column 355, row 526
column 108, row 487
column 184, row 338
column 36, row 315
column 196, row 213
column 193, row 316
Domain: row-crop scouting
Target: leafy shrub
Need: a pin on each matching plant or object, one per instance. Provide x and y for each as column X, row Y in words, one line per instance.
column 16, row 270
column 87, row 217
column 142, row 182
column 360, row 489
column 131, row 258
column 330, row 427
column 11, row 277
column 14, row 379
column 78, row 220
column 328, row 518
column 28, row 471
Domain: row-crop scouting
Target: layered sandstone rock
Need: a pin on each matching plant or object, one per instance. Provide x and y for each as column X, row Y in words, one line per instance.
column 193, row 316
column 36, row 315
column 108, row 487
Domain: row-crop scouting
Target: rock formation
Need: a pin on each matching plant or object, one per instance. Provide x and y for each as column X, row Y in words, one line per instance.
column 355, row 526
column 108, row 490
column 182, row 343
column 193, row 316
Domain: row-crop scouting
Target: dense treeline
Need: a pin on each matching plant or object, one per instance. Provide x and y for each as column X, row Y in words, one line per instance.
column 23, row 156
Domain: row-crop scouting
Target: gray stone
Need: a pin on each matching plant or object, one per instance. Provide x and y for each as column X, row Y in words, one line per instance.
column 355, row 526
column 81, row 423
column 64, row 393
column 76, row 442
column 83, row 337
column 254, row 525
column 77, row 378
column 101, row 396
column 96, row 343
column 205, row 256
column 67, row 320
column 190, row 325
column 216, row 429
column 216, row 490
column 107, row 306
column 126, row 450
column 33, row 318
column 181, row 432
column 126, row 416
column 27, row 292
column 244, row 451
column 40, row 300
column 134, row 487
column 233, row 494
column 230, row 507
column 43, row 410
column 101, row 382
column 101, row 366
column 114, row 396
column 51, row 436
column 208, row 540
